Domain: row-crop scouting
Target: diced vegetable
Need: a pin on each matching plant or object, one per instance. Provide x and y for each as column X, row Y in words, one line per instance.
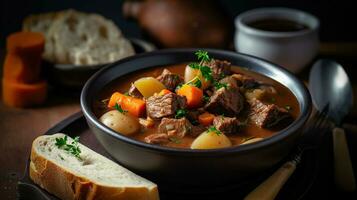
column 148, row 122
column 254, row 94
column 148, row 86
column 252, row 141
column 211, row 140
column 134, row 106
column 206, row 118
column 120, row 122
column 164, row 91
column 191, row 73
column 193, row 95
column 23, row 95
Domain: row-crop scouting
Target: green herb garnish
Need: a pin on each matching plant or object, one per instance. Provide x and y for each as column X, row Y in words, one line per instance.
column 127, row 94
column 206, row 73
column 214, row 129
column 194, row 65
column 119, row 108
column 219, row 85
column 72, row 148
column 288, row 108
column 178, row 86
column 205, row 98
column 175, row 140
column 202, row 56
column 195, row 122
column 180, row 113
column 195, row 82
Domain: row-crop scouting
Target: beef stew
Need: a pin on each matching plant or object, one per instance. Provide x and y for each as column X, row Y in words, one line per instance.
column 184, row 101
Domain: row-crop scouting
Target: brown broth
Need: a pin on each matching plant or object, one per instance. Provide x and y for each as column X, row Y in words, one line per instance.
column 278, row 25
column 282, row 98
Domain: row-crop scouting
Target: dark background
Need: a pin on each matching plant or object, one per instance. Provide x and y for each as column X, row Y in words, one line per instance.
column 338, row 18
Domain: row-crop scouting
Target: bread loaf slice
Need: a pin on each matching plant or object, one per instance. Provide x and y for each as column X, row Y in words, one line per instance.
column 79, row 38
column 92, row 176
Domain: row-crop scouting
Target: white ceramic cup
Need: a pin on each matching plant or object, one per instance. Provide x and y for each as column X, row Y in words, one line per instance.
column 292, row 50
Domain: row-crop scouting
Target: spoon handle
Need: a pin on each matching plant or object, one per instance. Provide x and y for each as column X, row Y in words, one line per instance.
column 271, row 187
column 344, row 176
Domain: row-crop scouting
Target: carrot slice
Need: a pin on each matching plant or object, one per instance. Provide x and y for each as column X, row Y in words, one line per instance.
column 25, row 43
column 134, row 106
column 22, row 69
column 164, row 91
column 193, row 95
column 206, row 119
column 22, row 94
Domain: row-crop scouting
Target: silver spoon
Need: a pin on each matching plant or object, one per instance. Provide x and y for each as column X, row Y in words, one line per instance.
column 329, row 84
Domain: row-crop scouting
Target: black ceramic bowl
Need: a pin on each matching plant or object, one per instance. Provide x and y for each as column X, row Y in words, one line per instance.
column 195, row 167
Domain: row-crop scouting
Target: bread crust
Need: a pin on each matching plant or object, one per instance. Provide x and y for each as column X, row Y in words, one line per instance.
column 69, row 186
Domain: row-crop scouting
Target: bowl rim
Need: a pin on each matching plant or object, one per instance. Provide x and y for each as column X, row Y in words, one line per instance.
column 278, row 136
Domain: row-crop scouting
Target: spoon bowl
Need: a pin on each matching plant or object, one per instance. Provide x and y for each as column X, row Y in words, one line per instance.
column 330, row 84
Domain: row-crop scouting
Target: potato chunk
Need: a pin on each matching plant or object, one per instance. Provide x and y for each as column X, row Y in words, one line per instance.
column 125, row 124
column 148, row 86
column 211, row 140
column 191, row 73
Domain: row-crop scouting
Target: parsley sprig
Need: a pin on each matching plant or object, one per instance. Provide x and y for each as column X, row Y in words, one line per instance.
column 219, row 85
column 119, row 108
column 214, row 129
column 72, row 148
column 202, row 56
column 205, row 71
column 180, row 113
column 195, row 82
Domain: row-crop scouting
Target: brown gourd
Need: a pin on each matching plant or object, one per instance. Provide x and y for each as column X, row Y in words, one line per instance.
column 177, row 23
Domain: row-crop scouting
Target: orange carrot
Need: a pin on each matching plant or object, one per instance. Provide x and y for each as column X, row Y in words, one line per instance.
column 25, row 43
column 22, row 94
column 164, row 91
column 22, row 69
column 193, row 95
column 206, row 118
column 134, row 106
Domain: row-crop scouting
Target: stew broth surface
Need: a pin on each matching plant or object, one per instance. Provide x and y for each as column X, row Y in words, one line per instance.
column 283, row 98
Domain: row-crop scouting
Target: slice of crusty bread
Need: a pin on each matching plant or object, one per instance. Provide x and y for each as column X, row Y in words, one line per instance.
column 91, row 177
column 80, row 38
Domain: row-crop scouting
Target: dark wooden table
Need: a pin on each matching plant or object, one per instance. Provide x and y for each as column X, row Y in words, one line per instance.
column 19, row 127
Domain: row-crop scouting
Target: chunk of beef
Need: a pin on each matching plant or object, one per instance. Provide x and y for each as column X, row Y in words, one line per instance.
column 227, row 125
column 246, row 81
column 134, row 92
column 197, row 130
column 229, row 81
column 192, row 115
column 177, row 128
column 159, row 106
column 170, row 80
column 227, row 101
column 157, row 138
column 266, row 115
column 220, row 68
